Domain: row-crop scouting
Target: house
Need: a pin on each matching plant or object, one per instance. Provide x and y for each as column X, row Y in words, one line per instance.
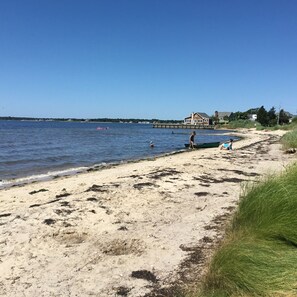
column 253, row 116
column 198, row 118
column 222, row 116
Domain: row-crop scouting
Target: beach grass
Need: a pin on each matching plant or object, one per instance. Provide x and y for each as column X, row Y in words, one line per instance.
column 259, row 254
column 290, row 126
column 241, row 124
column 248, row 124
column 289, row 140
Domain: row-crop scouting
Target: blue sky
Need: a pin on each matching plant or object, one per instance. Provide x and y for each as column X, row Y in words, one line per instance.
column 146, row 58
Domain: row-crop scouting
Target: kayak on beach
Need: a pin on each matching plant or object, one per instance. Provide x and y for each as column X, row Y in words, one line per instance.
column 204, row 145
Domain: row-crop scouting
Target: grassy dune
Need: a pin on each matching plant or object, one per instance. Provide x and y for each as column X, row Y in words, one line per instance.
column 248, row 124
column 259, row 254
column 289, row 140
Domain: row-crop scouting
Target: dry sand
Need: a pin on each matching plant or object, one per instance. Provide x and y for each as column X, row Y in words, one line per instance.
column 129, row 230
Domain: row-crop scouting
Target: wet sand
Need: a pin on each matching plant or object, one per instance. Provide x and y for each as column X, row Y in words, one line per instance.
column 136, row 229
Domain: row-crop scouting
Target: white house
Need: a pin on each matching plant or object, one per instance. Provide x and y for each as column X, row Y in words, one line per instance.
column 253, row 117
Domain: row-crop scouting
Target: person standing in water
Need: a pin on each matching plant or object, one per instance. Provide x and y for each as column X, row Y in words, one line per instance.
column 192, row 139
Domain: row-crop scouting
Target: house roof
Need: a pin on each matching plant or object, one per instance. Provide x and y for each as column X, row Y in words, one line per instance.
column 203, row 114
column 224, row 113
column 289, row 114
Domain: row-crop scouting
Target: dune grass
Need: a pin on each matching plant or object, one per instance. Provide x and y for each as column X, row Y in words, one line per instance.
column 241, row 124
column 248, row 124
column 289, row 140
column 259, row 254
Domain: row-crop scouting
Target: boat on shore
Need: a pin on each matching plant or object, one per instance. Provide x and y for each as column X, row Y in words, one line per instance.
column 204, row 145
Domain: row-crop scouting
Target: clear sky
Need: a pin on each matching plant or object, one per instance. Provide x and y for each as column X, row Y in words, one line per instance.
column 146, row 58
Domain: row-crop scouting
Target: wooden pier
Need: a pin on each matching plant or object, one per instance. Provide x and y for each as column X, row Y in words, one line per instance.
column 182, row 126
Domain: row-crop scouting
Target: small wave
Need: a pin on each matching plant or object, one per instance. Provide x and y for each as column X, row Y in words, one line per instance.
column 71, row 171
column 40, row 177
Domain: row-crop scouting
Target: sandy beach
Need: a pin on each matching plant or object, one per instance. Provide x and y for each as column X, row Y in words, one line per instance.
column 136, row 229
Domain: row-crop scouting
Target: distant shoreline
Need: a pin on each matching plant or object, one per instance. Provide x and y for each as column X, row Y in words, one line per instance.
column 93, row 120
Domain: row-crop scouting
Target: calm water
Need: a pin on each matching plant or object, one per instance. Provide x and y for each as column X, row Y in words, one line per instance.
column 49, row 148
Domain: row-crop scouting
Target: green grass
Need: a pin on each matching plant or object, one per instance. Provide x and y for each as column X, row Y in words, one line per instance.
column 240, row 124
column 289, row 140
column 253, row 267
column 248, row 124
column 259, row 254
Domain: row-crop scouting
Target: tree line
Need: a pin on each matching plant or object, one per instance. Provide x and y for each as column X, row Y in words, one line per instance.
column 270, row 118
column 102, row 120
column 264, row 117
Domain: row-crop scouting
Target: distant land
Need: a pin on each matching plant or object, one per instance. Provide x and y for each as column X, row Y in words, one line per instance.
column 101, row 120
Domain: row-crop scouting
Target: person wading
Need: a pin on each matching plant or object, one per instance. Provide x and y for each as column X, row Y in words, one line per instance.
column 192, row 139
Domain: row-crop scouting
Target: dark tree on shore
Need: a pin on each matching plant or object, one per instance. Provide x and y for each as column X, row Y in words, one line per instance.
column 235, row 116
column 283, row 117
column 262, row 116
column 253, row 110
column 272, row 118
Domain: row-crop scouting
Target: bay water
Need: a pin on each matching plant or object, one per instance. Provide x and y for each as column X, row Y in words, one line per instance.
column 31, row 150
